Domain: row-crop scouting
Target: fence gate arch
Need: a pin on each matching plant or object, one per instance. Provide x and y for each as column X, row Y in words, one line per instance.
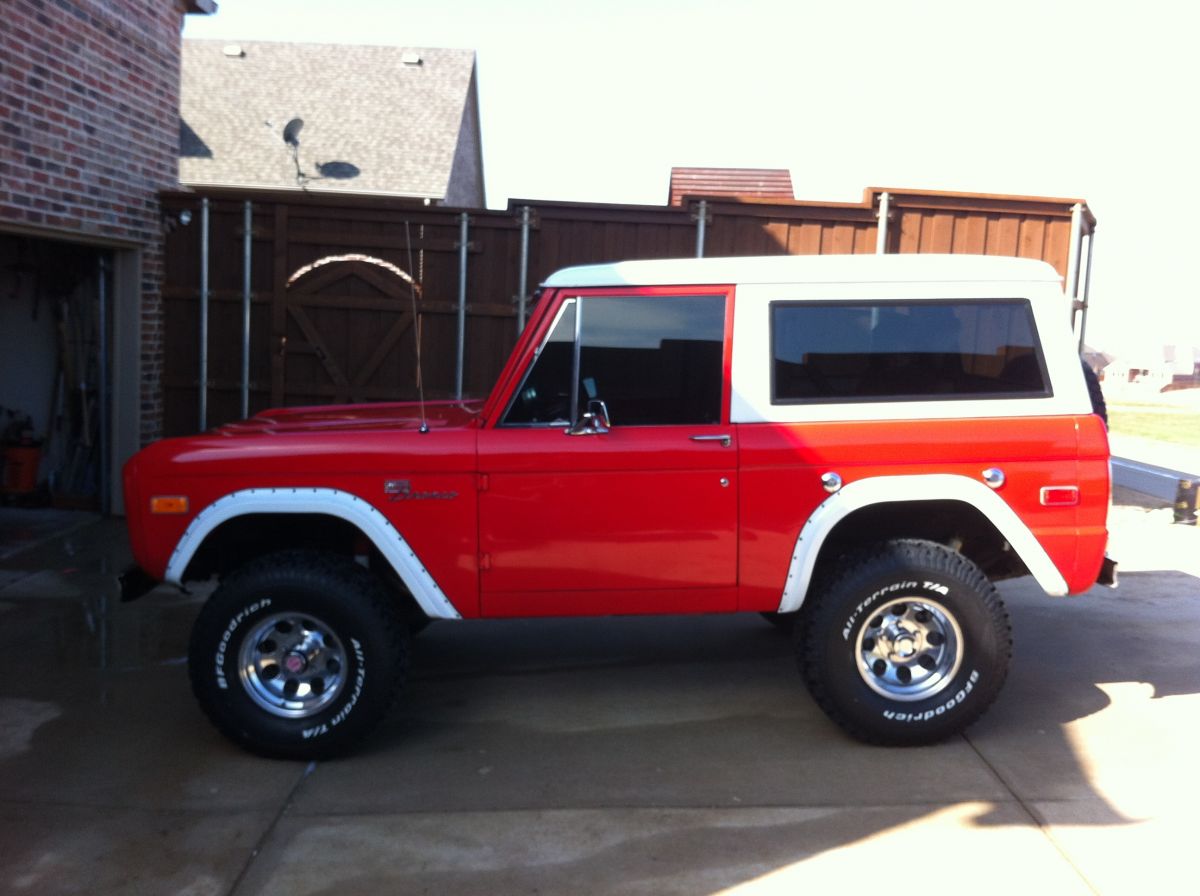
column 346, row 334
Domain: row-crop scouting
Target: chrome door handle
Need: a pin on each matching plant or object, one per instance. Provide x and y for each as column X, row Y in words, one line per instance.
column 725, row 441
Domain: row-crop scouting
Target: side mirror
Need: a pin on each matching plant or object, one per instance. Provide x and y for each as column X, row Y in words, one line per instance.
column 594, row 421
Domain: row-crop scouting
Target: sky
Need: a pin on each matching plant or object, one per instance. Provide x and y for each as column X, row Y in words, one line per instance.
column 595, row 102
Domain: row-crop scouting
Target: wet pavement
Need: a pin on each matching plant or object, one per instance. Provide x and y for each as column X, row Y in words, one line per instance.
column 22, row 529
column 656, row 755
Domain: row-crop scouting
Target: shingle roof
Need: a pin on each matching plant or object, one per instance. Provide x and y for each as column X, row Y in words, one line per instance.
column 375, row 118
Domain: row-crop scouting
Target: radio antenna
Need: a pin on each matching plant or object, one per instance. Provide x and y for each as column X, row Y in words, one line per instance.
column 412, row 283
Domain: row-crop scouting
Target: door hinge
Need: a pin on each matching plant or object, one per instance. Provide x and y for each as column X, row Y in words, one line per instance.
column 485, row 562
column 483, row 482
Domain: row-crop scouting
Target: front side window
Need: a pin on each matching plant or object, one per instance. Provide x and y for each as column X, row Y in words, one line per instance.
column 848, row 351
column 652, row 360
column 545, row 395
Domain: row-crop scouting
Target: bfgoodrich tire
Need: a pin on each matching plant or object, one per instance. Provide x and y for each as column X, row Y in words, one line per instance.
column 298, row 655
column 908, row 645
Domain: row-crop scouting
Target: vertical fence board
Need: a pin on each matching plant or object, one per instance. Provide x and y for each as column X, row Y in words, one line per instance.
column 1032, row 242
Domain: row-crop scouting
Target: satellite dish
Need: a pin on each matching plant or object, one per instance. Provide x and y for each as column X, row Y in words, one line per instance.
column 291, row 132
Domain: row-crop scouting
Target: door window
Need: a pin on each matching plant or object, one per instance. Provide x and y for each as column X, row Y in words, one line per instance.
column 545, row 395
column 652, row 360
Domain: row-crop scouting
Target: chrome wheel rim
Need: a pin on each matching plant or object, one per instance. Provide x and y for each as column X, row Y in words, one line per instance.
column 292, row 665
column 909, row 649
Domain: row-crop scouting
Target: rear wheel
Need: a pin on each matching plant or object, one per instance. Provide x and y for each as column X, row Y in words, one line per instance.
column 298, row 655
column 908, row 645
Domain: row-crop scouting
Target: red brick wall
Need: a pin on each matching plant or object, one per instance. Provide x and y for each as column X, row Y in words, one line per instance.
column 89, row 134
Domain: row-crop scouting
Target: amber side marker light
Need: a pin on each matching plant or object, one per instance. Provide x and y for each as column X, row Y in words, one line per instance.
column 169, row 504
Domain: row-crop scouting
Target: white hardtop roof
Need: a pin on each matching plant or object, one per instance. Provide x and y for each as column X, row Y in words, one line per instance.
column 807, row 269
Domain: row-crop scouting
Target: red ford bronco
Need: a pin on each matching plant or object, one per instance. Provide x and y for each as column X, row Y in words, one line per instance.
column 856, row 447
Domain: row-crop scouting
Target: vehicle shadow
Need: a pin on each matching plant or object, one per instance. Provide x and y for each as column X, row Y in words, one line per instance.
column 710, row 712
column 637, row 692
column 683, row 755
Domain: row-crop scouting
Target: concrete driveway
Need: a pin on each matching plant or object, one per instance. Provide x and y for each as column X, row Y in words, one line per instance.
column 655, row 756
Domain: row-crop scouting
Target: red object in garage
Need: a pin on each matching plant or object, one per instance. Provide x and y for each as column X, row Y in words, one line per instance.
column 21, row 468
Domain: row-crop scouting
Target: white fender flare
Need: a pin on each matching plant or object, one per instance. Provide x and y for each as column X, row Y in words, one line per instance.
column 892, row 489
column 329, row 502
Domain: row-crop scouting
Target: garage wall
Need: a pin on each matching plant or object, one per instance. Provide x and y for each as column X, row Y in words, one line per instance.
column 89, row 135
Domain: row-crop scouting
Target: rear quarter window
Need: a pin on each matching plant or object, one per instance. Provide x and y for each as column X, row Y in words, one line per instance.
column 860, row 351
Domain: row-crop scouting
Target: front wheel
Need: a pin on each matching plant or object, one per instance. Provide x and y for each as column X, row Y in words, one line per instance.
column 908, row 645
column 298, row 655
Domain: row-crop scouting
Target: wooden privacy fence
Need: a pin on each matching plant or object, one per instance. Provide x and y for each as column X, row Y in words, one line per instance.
column 282, row 298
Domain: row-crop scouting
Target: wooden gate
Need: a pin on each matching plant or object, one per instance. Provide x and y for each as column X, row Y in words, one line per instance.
column 345, row 333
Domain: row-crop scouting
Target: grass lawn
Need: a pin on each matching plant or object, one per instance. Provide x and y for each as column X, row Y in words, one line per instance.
column 1180, row 426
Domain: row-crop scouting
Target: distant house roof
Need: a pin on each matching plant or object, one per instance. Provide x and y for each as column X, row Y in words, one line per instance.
column 395, row 120
column 765, row 183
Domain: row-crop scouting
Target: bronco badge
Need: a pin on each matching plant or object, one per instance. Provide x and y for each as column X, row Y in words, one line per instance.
column 402, row 490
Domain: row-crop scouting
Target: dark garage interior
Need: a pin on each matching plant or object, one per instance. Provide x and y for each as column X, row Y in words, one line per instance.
column 54, row 339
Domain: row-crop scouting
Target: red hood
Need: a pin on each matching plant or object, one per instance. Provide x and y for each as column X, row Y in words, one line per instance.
column 439, row 415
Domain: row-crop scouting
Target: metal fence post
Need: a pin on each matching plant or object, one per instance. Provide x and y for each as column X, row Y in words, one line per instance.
column 523, row 278
column 102, row 385
column 463, row 234
column 247, row 238
column 1072, row 282
column 203, row 314
column 881, row 232
column 1083, row 302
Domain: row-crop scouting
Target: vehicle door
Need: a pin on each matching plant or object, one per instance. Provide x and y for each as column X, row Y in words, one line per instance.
column 609, row 478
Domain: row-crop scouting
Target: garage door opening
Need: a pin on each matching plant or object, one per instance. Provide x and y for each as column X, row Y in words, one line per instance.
column 55, row 338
